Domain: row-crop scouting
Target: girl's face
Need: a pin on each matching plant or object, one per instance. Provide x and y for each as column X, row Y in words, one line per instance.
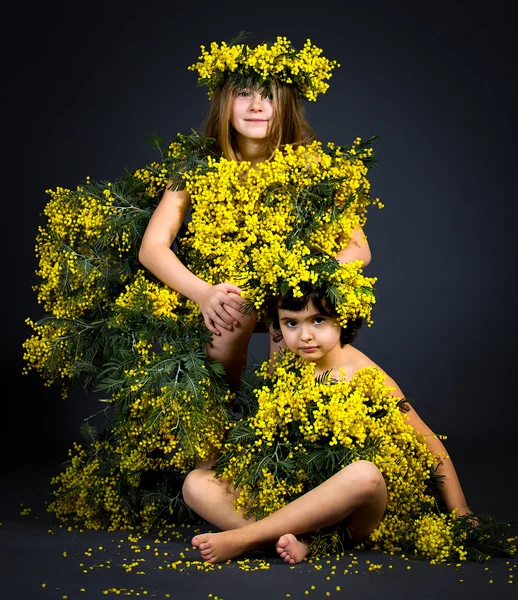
column 251, row 113
column 308, row 333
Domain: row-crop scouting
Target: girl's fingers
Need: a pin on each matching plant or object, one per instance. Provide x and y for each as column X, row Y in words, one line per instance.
column 219, row 329
column 230, row 295
column 210, row 326
column 232, row 303
column 220, row 320
column 228, row 299
column 221, row 317
column 229, row 315
column 221, row 311
column 230, row 287
column 236, row 313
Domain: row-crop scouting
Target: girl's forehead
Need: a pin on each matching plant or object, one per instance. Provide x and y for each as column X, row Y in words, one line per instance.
column 254, row 87
column 308, row 309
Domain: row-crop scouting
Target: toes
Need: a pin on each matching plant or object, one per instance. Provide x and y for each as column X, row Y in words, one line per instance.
column 283, row 542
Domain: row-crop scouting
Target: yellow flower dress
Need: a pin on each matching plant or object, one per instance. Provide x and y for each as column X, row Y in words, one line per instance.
column 111, row 324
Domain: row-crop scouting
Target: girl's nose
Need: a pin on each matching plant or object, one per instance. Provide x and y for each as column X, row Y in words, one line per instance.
column 306, row 335
column 256, row 101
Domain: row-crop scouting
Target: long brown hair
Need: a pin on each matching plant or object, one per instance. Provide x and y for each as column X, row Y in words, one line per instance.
column 288, row 126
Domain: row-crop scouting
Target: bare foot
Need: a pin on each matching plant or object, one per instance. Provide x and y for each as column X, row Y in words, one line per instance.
column 290, row 549
column 218, row 547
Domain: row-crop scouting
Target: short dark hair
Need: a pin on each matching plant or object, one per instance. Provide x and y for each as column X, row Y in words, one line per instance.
column 322, row 304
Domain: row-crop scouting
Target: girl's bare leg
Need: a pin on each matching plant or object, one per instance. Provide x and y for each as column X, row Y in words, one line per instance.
column 212, row 499
column 357, row 492
column 231, row 347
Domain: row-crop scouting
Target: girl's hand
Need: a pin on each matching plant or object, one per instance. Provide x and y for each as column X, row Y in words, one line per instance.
column 463, row 511
column 219, row 305
column 470, row 516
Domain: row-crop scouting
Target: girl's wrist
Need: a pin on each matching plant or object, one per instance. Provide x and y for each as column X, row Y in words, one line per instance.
column 461, row 508
column 200, row 291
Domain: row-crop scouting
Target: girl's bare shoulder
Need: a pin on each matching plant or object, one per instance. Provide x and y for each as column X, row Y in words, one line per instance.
column 352, row 360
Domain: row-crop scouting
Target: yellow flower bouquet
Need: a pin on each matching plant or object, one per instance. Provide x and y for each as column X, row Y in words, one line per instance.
column 139, row 344
column 297, row 431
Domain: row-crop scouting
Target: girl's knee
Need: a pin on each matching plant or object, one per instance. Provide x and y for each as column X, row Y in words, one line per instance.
column 194, row 485
column 371, row 500
column 200, row 485
column 244, row 328
column 237, row 339
column 368, row 478
column 368, row 469
column 245, row 322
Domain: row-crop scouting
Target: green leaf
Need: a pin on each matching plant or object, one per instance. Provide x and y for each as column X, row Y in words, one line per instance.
column 285, row 287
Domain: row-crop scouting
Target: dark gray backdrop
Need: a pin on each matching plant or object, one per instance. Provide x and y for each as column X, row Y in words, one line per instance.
column 436, row 81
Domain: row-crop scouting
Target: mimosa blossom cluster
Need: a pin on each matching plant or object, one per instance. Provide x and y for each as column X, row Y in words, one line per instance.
column 306, row 69
column 107, row 319
column 270, row 228
column 305, row 429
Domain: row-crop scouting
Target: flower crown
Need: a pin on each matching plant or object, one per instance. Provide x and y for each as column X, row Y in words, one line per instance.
column 348, row 290
column 307, row 70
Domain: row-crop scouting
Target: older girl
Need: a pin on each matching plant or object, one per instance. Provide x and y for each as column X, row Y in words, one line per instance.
column 249, row 123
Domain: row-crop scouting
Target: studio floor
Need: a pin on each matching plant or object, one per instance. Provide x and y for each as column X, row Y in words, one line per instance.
column 40, row 558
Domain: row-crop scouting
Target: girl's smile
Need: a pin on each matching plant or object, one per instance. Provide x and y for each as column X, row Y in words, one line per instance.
column 251, row 113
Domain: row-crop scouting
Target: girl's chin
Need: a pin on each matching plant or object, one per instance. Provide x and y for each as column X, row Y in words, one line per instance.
column 309, row 355
column 254, row 136
column 253, row 132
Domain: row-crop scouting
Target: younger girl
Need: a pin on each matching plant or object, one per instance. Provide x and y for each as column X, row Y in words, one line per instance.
column 356, row 494
column 249, row 121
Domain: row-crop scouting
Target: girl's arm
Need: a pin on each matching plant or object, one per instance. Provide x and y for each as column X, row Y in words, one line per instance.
column 449, row 486
column 156, row 255
column 356, row 249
